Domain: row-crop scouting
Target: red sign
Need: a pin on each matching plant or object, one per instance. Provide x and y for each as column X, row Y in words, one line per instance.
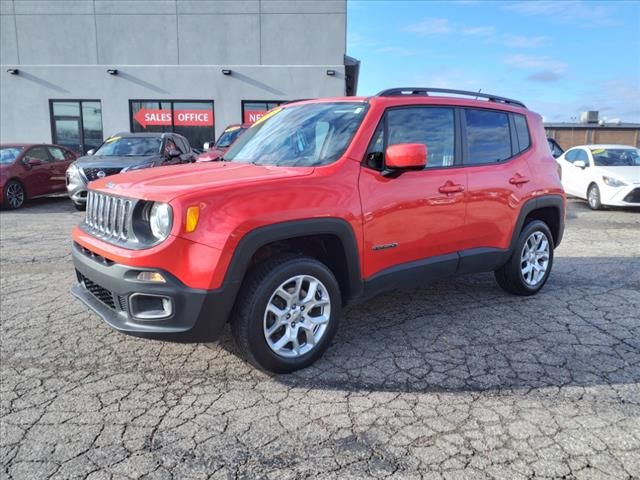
column 252, row 116
column 187, row 118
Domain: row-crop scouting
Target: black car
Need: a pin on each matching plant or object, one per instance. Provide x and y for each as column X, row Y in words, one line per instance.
column 124, row 152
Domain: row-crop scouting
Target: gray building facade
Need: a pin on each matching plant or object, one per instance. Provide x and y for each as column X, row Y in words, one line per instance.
column 76, row 71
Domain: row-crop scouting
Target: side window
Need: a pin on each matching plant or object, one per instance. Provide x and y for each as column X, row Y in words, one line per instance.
column 488, row 136
column 582, row 155
column 39, row 153
column 431, row 126
column 57, row 154
column 181, row 145
column 522, row 131
column 570, row 156
column 169, row 145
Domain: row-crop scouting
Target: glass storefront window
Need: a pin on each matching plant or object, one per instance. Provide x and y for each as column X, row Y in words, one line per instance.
column 252, row 110
column 76, row 124
column 192, row 118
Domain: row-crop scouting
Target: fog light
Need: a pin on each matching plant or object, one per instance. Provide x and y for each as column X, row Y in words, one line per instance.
column 151, row 277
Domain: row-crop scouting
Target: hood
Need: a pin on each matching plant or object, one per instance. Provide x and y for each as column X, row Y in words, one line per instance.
column 163, row 184
column 211, row 155
column 630, row 175
column 115, row 161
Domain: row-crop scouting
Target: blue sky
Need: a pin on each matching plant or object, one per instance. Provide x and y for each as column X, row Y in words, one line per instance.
column 558, row 57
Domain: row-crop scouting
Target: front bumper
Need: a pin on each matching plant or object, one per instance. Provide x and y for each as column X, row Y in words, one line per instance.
column 77, row 189
column 107, row 287
column 627, row 196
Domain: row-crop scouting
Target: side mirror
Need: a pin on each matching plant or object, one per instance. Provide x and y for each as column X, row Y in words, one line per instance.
column 32, row 162
column 580, row 164
column 405, row 156
column 206, row 146
column 91, row 152
column 173, row 153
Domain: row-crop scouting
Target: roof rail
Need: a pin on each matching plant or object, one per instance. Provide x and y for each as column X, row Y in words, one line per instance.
column 393, row 92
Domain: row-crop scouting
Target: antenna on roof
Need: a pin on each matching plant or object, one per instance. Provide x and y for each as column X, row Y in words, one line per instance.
column 479, row 91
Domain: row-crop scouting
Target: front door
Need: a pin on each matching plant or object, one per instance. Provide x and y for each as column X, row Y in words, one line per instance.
column 38, row 179
column 418, row 216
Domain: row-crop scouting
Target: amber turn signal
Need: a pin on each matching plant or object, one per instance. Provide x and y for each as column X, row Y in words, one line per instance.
column 191, row 221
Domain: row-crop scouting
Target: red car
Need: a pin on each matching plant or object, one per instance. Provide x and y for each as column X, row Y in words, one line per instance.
column 31, row 170
column 318, row 204
column 228, row 136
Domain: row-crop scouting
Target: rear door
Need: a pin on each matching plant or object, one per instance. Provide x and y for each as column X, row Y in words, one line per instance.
column 38, row 178
column 417, row 215
column 498, row 176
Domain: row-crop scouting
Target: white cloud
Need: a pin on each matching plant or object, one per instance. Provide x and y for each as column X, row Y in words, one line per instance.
column 479, row 31
column 522, row 41
column 585, row 14
column 430, row 26
column 530, row 62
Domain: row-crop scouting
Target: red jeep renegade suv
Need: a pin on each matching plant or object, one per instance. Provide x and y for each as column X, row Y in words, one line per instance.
column 317, row 204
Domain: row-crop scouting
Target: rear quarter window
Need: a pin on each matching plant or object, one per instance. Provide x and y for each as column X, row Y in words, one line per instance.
column 488, row 136
column 522, row 132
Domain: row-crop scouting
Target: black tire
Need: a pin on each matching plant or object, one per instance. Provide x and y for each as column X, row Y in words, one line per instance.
column 247, row 324
column 510, row 276
column 593, row 197
column 81, row 207
column 14, row 195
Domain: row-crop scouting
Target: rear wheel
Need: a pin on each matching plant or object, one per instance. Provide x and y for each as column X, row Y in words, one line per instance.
column 81, row 207
column 593, row 197
column 530, row 264
column 287, row 313
column 14, row 194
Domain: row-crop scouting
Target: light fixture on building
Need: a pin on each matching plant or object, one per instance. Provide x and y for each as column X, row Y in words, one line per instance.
column 226, row 71
column 13, row 71
column 112, row 71
column 331, row 73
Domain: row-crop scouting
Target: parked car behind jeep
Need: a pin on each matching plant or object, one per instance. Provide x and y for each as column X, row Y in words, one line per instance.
column 125, row 152
column 31, row 170
column 320, row 203
column 226, row 139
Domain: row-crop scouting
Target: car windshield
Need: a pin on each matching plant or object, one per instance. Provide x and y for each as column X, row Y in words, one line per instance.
column 229, row 136
column 9, row 154
column 130, row 146
column 616, row 157
column 299, row 136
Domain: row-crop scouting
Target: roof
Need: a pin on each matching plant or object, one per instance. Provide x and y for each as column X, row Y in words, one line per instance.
column 593, row 125
column 605, row 146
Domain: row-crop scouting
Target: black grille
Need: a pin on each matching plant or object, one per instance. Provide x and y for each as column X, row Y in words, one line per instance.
column 633, row 196
column 101, row 293
column 92, row 173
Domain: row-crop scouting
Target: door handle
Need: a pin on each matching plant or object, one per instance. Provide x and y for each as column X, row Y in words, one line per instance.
column 451, row 187
column 518, row 179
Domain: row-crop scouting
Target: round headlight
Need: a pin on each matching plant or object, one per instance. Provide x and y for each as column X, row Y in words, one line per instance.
column 160, row 220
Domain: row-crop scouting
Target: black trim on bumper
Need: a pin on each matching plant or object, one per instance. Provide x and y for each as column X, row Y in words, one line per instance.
column 198, row 315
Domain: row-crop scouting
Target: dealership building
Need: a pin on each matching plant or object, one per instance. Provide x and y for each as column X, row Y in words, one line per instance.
column 76, row 71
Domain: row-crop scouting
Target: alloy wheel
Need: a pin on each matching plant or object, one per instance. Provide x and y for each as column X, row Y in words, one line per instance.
column 15, row 195
column 534, row 260
column 297, row 316
column 594, row 197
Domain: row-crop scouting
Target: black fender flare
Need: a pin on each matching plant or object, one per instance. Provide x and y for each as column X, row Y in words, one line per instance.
column 543, row 201
column 261, row 236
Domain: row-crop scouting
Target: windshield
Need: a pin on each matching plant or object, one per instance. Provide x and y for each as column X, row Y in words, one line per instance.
column 9, row 154
column 616, row 157
column 299, row 136
column 130, row 146
column 229, row 136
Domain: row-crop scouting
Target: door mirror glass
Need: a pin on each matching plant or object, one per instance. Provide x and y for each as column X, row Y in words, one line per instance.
column 406, row 156
column 91, row 152
column 580, row 164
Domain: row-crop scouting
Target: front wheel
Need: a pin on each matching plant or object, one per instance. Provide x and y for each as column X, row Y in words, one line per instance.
column 530, row 264
column 81, row 207
column 14, row 195
column 593, row 197
column 287, row 313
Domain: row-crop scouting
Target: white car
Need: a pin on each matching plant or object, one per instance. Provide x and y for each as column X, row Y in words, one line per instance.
column 602, row 174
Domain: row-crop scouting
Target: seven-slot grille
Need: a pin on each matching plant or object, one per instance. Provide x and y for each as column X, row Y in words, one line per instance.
column 109, row 216
column 92, row 173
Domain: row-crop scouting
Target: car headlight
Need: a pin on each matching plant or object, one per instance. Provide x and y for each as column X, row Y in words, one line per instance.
column 73, row 170
column 613, row 182
column 160, row 220
column 136, row 167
